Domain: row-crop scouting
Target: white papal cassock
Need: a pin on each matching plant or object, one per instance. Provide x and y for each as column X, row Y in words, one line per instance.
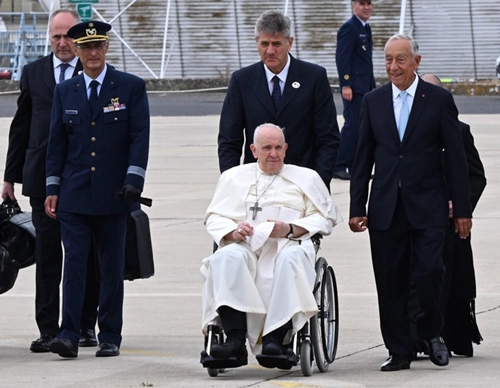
column 271, row 279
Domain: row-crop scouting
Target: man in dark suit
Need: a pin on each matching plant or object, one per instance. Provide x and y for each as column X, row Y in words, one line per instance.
column 353, row 57
column 98, row 146
column 408, row 205
column 29, row 133
column 460, row 328
column 285, row 91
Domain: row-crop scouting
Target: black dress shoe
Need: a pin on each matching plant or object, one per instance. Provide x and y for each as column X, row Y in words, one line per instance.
column 344, row 175
column 271, row 347
column 87, row 338
column 107, row 349
column 438, row 352
column 63, row 347
column 395, row 363
column 233, row 347
column 42, row 344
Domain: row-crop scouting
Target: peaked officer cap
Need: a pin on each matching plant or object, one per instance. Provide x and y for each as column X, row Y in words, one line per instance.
column 91, row 31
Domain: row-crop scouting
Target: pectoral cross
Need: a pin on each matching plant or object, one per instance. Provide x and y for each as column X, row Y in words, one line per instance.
column 255, row 208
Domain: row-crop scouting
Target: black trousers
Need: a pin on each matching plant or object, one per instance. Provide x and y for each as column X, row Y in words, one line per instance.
column 107, row 233
column 48, row 259
column 349, row 133
column 402, row 254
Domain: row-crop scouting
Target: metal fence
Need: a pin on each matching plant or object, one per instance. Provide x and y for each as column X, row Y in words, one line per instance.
column 209, row 39
column 23, row 44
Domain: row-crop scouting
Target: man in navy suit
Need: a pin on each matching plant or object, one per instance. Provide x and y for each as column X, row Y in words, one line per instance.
column 355, row 67
column 280, row 89
column 28, row 137
column 98, row 146
column 405, row 125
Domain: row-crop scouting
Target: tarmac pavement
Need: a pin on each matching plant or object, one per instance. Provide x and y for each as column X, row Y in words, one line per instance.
column 161, row 335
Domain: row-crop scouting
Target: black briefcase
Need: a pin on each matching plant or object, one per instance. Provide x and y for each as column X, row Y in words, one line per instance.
column 138, row 249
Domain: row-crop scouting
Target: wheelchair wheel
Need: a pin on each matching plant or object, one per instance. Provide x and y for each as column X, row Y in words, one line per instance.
column 324, row 326
column 213, row 372
column 330, row 309
column 306, row 354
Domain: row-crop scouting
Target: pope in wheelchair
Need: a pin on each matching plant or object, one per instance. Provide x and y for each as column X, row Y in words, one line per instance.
column 259, row 282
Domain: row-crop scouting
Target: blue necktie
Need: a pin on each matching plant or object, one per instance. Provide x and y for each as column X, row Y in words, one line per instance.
column 63, row 67
column 276, row 92
column 93, row 95
column 403, row 116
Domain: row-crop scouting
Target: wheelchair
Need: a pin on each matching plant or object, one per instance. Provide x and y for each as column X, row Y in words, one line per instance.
column 314, row 344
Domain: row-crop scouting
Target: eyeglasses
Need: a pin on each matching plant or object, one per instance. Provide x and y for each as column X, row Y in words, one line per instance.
column 90, row 47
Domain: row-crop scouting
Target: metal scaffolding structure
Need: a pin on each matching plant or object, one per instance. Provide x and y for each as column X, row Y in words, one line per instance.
column 209, row 39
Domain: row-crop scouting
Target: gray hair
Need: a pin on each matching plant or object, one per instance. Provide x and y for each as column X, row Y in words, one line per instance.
column 257, row 131
column 273, row 23
column 413, row 43
column 72, row 12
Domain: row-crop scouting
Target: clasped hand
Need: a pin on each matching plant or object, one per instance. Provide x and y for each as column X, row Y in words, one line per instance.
column 244, row 230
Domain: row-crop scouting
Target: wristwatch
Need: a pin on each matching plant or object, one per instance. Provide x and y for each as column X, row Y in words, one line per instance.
column 290, row 234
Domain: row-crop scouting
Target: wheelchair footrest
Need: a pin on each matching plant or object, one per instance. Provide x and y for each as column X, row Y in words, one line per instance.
column 221, row 363
column 281, row 362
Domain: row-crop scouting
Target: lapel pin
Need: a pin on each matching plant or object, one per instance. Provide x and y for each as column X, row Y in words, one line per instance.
column 296, row 85
column 80, row 72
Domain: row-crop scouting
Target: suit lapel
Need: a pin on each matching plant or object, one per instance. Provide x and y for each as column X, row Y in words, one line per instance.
column 48, row 74
column 292, row 78
column 261, row 89
column 80, row 94
column 418, row 107
column 78, row 68
column 387, row 103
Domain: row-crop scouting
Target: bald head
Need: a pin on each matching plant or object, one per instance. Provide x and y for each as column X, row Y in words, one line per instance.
column 432, row 79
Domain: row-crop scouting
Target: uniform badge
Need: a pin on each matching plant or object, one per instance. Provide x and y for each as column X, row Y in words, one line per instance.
column 91, row 31
column 296, row 85
column 114, row 106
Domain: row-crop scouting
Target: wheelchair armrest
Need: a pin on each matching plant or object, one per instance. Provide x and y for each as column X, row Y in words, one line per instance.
column 316, row 239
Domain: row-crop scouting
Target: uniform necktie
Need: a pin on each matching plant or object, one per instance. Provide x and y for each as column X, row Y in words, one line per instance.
column 63, row 67
column 93, row 95
column 404, row 114
column 276, row 92
column 369, row 34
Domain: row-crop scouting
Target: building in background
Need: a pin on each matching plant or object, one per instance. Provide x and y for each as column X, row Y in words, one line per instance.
column 209, row 39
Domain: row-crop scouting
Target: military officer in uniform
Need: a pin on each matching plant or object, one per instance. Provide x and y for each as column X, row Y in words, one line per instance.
column 353, row 57
column 98, row 145
column 25, row 163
